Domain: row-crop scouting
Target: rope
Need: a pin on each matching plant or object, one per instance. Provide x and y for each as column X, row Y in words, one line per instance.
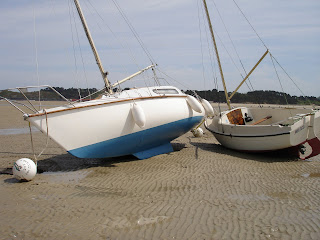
column 34, row 155
column 203, row 120
column 32, row 144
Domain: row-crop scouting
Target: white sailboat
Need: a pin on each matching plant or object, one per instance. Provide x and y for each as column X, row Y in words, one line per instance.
column 140, row 121
column 264, row 129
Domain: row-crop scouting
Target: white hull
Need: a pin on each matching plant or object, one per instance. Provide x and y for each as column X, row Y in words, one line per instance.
column 106, row 127
column 285, row 129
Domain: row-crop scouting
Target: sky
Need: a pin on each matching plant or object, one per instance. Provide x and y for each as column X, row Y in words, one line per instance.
column 42, row 43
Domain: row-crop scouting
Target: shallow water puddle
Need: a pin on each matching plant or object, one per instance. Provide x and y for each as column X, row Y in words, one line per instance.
column 305, row 175
column 312, row 175
column 249, row 197
column 125, row 222
column 14, row 131
column 117, row 222
column 145, row 221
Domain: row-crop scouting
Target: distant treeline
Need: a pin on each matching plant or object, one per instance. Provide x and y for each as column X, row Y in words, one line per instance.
column 267, row 97
column 261, row 97
column 48, row 94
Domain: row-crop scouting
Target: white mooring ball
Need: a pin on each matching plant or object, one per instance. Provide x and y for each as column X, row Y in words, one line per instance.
column 198, row 132
column 24, row 169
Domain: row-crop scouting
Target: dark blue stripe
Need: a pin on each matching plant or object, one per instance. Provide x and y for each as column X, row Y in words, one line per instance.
column 247, row 136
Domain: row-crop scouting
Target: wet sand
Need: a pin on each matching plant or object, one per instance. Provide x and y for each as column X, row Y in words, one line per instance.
column 200, row 191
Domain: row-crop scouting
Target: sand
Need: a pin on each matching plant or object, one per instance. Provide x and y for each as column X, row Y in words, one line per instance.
column 200, row 191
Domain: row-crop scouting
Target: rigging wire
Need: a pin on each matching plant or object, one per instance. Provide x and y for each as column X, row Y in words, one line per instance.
column 122, row 42
column 80, row 50
column 213, row 61
column 36, row 52
column 250, row 24
column 182, row 84
column 233, row 45
column 174, row 80
column 283, row 93
column 272, row 57
column 201, row 46
column 250, row 86
column 275, row 69
column 134, row 32
column 52, row 5
column 228, row 53
column 73, row 44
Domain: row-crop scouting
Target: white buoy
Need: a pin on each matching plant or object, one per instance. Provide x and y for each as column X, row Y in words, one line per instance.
column 138, row 115
column 198, row 132
column 194, row 104
column 207, row 107
column 24, row 169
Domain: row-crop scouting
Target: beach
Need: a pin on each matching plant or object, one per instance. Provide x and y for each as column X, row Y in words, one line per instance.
column 200, row 191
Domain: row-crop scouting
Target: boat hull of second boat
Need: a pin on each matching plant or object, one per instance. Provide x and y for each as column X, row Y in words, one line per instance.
column 282, row 128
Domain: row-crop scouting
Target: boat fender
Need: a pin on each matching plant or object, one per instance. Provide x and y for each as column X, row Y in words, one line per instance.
column 138, row 115
column 24, row 169
column 194, row 104
column 208, row 108
column 198, row 132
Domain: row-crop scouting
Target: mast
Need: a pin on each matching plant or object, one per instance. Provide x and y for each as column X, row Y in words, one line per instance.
column 94, row 50
column 217, row 53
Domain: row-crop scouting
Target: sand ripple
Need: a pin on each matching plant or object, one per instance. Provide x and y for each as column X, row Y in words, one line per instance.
column 200, row 191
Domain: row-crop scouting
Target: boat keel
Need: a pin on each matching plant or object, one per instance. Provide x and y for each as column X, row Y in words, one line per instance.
column 165, row 148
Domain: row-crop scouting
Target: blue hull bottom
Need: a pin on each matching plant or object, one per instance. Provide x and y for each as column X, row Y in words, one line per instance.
column 165, row 148
column 143, row 144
